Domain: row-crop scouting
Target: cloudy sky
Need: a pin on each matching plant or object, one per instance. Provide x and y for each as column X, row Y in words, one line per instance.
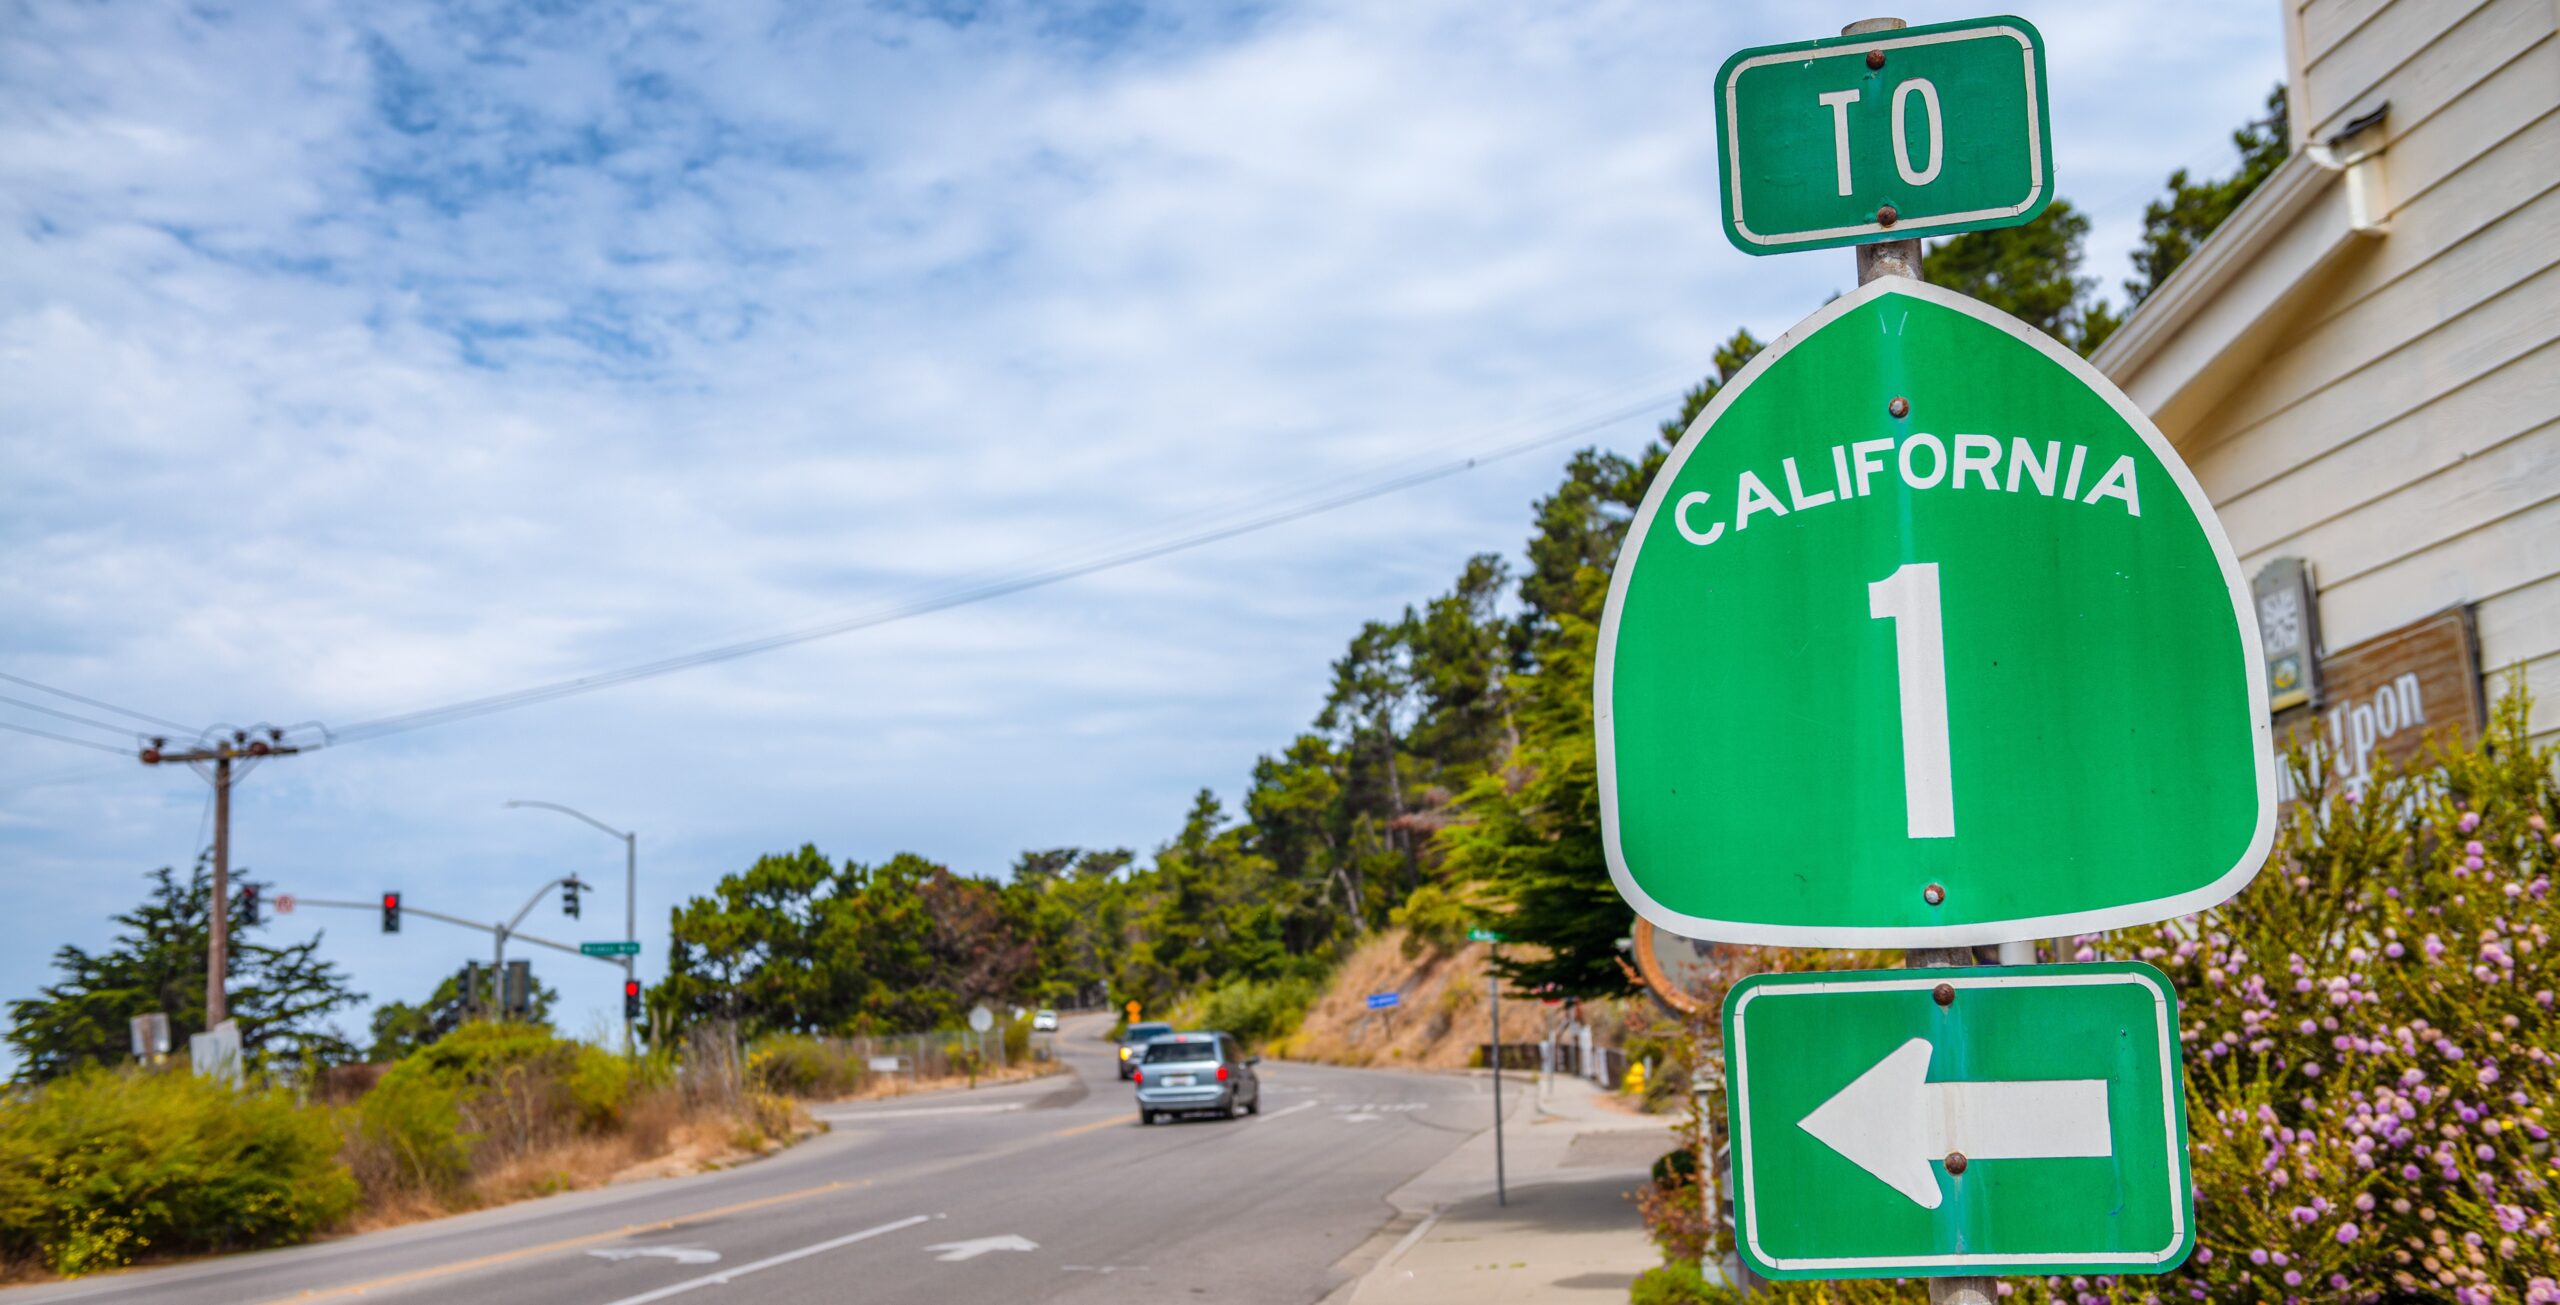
column 358, row 359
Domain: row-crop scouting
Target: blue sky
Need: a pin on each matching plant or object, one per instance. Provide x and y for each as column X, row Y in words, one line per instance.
column 362, row 358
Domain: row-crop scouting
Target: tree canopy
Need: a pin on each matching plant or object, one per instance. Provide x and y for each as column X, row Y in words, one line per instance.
column 281, row 997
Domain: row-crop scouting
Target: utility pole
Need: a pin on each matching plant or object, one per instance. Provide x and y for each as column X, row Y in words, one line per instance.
column 223, row 762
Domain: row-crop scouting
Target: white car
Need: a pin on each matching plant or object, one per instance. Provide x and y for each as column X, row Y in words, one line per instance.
column 1044, row 1021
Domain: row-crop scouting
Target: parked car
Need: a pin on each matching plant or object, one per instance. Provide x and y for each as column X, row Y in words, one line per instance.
column 1044, row 1021
column 1197, row 1071
column 1133, row 1044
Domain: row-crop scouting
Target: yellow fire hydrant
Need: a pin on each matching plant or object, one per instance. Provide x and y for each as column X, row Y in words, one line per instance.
column 1635, row 1078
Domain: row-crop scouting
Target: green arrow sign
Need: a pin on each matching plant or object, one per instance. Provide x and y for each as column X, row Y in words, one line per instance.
column 1924, row 637
column 608, row 949
column 1919, row 1123
column 1885, row 136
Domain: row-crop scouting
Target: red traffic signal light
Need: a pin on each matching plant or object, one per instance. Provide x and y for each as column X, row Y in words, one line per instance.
column 391, row 912
column 630, row 999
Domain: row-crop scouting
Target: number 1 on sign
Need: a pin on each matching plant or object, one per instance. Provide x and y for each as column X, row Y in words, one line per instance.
column 1909, row 599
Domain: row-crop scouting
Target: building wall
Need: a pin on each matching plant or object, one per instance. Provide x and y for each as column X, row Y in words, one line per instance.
column 2402, row 433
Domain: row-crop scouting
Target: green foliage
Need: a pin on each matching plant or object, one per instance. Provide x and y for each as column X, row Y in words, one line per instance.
column 1256, row 1011
column 2174, row 225
column 412, row 1127
column 400, row 1028
column 1434, row 917
column 1679, row 1283
column 99, row 1168
column 798, row 944
column 2030, row 273
column 281, row 997
column 797, row 1065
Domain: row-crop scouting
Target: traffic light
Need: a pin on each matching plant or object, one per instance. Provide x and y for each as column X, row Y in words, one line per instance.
column 569, row 898
column 391, row 912
column 248, row 903
column 630, row 999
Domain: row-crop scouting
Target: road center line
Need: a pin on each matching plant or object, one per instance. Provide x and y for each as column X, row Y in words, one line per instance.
column 1282, row 1114
column 725, row 1276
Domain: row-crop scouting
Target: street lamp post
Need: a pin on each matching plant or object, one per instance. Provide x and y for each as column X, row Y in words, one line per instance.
column 630, row 888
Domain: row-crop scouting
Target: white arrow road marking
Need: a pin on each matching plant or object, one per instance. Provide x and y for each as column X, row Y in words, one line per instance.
column 1892, row 1122
column 953, row 1252
column 731, row 1275
column 679, row 1254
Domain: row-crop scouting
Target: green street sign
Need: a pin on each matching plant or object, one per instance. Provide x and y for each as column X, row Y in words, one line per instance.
column 1920, row 131
column 1925, row 637
column 1483, row 935
column 608, row 949
column 1929, row 1123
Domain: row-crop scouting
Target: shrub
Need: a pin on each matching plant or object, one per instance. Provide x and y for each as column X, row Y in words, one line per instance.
column 98, row 1168
column 1432, row 917
column 1256, row 1010
column 2371, row 1050
column 797, row 1065
column 1679, row 1284
column 479, row 1096
column 409, row 1136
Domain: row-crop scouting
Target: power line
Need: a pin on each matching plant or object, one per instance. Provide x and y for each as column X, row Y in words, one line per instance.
column 977, row 592
column 102, row 706
column 84, row 720
column 65, row 738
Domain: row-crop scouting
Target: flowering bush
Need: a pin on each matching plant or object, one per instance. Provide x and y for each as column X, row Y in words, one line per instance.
column 2370, row 1051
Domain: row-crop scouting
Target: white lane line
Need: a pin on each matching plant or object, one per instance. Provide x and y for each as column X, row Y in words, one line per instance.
column 851, row 1116
column 726, row 1276
column 1283, row 1114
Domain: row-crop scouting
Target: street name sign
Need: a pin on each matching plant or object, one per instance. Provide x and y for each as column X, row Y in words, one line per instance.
column 1483, row 935
column 1918, row 131
column 608, row 949
column 1385, row 1000
column 1932, row 1123
column 1924, row 637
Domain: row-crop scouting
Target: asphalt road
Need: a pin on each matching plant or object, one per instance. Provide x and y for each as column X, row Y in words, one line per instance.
column 1047, row 1191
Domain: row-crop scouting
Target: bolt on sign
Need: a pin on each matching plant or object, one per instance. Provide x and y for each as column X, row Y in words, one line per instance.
column 1919, row 131
column 1925, row 637
column 1931, row 1123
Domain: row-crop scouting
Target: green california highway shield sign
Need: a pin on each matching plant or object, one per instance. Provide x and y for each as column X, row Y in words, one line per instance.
column 2032, row 1121
column 1924, row 637
column 1884, row 136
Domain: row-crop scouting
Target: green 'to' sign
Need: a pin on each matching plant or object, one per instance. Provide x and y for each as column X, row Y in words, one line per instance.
column 1884, row 136
column 1924, row 636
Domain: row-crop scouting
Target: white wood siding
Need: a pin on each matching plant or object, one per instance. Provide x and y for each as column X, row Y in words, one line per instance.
column 2404, row 434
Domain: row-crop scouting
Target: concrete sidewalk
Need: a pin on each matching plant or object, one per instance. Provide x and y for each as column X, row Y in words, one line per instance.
column 1575, row 1159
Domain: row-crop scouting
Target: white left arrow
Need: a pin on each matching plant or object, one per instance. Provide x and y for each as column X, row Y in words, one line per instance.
column 970, row 1250
column 1892, row 1121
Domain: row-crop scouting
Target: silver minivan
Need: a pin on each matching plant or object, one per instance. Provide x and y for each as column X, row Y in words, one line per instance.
column 1197, row 1071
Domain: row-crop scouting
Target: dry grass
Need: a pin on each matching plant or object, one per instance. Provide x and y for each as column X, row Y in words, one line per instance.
column 660, row 1135
column 1442, row 1024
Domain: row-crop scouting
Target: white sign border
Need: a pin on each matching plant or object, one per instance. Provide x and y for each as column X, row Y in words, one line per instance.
column 1887, row 1265
column 2243, row 608
column 1900, row 229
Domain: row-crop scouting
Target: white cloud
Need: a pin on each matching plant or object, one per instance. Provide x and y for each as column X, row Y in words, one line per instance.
column 359, row 358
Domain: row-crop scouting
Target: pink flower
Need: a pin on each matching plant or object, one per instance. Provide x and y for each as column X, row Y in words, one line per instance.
column 2473, row 847
column 2470, row 821
column 2346, row 1233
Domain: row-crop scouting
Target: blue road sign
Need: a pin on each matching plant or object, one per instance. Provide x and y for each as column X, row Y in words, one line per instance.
column 1383, row 1000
